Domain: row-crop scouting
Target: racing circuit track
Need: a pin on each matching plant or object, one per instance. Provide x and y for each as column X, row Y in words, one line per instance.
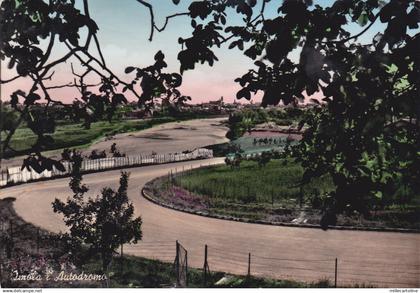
column 385, row 259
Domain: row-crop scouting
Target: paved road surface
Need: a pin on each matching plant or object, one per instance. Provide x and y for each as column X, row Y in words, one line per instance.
column 385, row 259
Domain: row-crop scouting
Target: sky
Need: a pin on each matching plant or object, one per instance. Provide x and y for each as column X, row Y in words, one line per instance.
column 124, row 27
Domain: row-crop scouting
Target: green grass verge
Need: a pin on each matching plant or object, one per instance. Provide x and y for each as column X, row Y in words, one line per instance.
column 146, row 273
column 75, row 135
column 271, row 194
column 277, row 182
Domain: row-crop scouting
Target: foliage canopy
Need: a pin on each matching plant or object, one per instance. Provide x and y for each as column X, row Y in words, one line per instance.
column 365, row 131
column 103, row 223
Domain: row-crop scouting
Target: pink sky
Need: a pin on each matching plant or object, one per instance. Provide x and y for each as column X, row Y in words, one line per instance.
column 201, row 85
column 123, row 34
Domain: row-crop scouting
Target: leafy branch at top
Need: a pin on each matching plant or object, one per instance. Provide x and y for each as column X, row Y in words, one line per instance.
column 25, row 25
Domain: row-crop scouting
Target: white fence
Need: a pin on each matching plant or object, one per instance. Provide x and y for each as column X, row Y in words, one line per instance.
column 15, row 175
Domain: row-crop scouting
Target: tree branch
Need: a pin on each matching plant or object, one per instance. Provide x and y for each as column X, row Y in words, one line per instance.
column 152, row 17
column 167, row 20
column 356, row 35
column 103, row 67
column 10, row 80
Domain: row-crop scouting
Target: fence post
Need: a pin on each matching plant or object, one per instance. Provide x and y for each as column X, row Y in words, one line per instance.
column 186, row 268
column 335, row 277
column 177, row 262
column 205, row 266
column 249, row 265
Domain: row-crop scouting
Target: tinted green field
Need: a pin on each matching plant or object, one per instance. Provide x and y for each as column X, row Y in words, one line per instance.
column 277, row 182
column 273, row 193
column 72, row 135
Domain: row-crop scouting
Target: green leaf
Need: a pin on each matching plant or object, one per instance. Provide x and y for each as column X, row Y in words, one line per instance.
column 363, row 19
column 378, row 194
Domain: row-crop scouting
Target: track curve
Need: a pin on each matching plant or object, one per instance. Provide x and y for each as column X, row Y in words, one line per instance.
column 378, row 258
column 383, row 259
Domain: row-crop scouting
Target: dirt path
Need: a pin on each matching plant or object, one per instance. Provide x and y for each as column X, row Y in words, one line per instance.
column 169, row 137
column 376, row 258
column 163, row 139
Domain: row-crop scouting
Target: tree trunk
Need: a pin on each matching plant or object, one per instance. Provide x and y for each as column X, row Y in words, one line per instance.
column 105, row 262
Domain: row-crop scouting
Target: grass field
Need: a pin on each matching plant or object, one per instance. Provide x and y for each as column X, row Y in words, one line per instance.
column 271, row 193
column 276, row 183
column 72, row 135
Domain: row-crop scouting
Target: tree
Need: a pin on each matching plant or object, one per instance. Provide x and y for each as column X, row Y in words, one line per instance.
column 264, row 158
column 236, row 160
column 243, row 121
column 94, row 154
column 103, row 223
column 9, row 118
column 113, row 148
column 365, row 131
column 25, row 25
column 115, row 151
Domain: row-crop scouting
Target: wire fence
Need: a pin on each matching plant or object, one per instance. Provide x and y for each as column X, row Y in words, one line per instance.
column 320, row 271
column 181, row 265
column 335, row 271
column 24, row 256
column 14, row 175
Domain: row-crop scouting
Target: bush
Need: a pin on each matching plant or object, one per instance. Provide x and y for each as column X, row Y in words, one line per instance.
column 103, row 223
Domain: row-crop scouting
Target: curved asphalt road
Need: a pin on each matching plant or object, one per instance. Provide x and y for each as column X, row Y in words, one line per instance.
column 376, row 258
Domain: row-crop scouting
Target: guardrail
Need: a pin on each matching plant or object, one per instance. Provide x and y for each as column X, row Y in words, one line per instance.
column 15, row 175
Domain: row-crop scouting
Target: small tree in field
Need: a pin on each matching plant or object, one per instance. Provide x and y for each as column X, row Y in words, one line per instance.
column 102, row 223
column 264, row 159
